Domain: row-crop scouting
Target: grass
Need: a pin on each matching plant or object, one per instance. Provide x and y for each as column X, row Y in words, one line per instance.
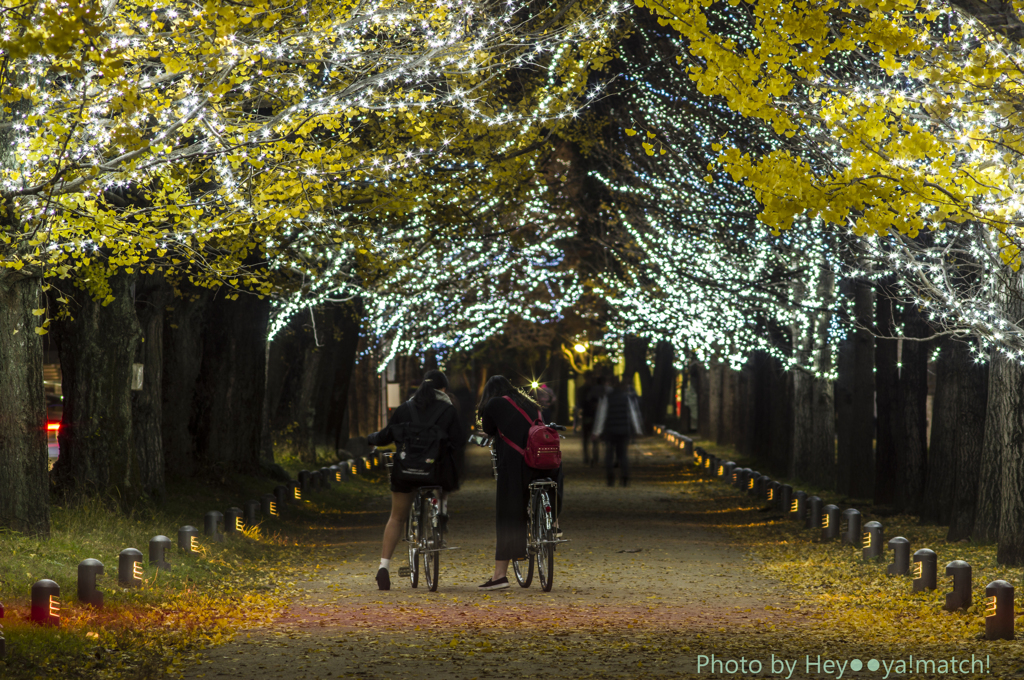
column 857, row 605
column 150, row 631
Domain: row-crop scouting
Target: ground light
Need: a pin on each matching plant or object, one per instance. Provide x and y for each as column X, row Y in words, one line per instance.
column 252, row 514
column 872, row 541
column 852, row 534
column 999, row 611
column 129, row 568
column 961, row 597
column 830, row 522
column 233, row 522
column 188, row 539
column 45, row 602
column 925, row 570
column 900, row 556
column 211, row 526
column 88, row 571
column 158, row 546
column 268, row 505
column 812, row 517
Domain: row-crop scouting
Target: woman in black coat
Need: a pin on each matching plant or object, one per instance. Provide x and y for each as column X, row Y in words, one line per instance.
column 501, row 419
column 431, row 395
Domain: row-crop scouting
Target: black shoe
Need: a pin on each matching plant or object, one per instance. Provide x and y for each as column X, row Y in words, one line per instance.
column 500, row 584
column 383, row 579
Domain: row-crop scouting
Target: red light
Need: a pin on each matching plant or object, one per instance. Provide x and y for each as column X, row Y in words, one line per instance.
column 53, row 427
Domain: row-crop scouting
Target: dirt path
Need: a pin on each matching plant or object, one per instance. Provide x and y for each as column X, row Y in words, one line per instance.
column 643, row 585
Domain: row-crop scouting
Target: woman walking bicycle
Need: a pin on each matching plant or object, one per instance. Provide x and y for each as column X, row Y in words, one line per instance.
column 433, row 407
column 501, row 414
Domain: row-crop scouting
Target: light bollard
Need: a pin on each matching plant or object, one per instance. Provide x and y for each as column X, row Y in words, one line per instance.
column 268, row 505
column 88, row 593
column 739, row 477
column 761, row 485
column 812, row 519
column 188, row 539
column 326, row 477
column 830, row 522
column 129, row 568
column 294, row 492
column 45, row 602
column 353, row 467
column 961, row 597
column 233, row 522
column 851, row 516
column 785, row 498
column 752, row 481
column 900, row 556
column 281, row 492
column 999, row 611
column 252, row 514
column 925, row 571
column 798, row 506
column 158, row 546
column 304, row 482
column 871, row 541
column 771, row 491
column 211, row 525
column 725, row 471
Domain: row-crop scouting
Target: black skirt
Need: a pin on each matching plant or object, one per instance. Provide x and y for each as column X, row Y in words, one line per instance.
column 513, row 498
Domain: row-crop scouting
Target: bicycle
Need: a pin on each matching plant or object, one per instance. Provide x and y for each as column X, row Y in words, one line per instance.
column 542, row 518
column 422, row 533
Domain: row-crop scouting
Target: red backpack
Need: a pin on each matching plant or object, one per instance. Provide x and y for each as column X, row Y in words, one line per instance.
column 543, row 445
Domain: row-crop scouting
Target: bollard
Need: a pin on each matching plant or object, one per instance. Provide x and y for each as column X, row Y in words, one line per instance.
column 304, row 482
column 88, row 570
column 353, row 467
column 872, row 541
column 752, row 479
column 367, row 462
column 999, row 611
column 739, row 477
column 46, row 602
column 771, row 492
column 798, row 506
column 961, row 597
column 785, row 498
column 900, row 556
column 294, row 492
column 129, row 568
column 188, row 539
column 761, row 485
column 339, row 472
column 829, row 522
column 233, row 521
column 158, row 546
column 281, row 492
column 210, row 526
column 725, row 470
column 812, row 517
column 708, row 463
column 252, row 514
column 852, row 518
column 326, row 477
column 925, row 570
column 268, row 505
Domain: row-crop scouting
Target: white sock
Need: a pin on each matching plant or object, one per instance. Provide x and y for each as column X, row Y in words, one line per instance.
column 385, row 564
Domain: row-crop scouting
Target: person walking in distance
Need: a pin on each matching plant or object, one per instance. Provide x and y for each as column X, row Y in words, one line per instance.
column 501, row 418
column 617, row 419
column 434, row 408
column 589, row 396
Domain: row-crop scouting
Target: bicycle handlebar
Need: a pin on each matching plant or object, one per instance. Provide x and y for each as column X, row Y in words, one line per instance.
column 556, row 426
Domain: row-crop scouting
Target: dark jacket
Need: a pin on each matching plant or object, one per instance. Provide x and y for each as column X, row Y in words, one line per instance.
column 449, row 422
column 501, row 415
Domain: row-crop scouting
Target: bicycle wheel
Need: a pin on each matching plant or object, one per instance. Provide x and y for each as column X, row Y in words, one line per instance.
column 523, row 569
column 543, row 520
column 413, row 538
column 432, row 558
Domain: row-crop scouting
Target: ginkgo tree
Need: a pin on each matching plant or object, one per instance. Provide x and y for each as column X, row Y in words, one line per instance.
column 215, row 140
column 902, row 125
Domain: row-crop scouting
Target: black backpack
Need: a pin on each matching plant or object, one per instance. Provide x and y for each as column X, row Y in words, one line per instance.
column 422, row 443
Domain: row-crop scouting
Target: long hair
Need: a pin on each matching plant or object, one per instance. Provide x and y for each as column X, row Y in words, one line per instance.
column 499, row 386
column 425, row 396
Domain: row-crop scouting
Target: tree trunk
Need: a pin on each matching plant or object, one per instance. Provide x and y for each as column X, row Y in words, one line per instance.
column 958, row 429
column 911, row 419
column 151, row 297
column 347, row 325
column 97, row 348
column 663, row 383
column 701, row 377
column 886, row 388
column 855, row 400
column 183, row 354
column 1003, row 454
column 229, row 394
column 25, row 497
